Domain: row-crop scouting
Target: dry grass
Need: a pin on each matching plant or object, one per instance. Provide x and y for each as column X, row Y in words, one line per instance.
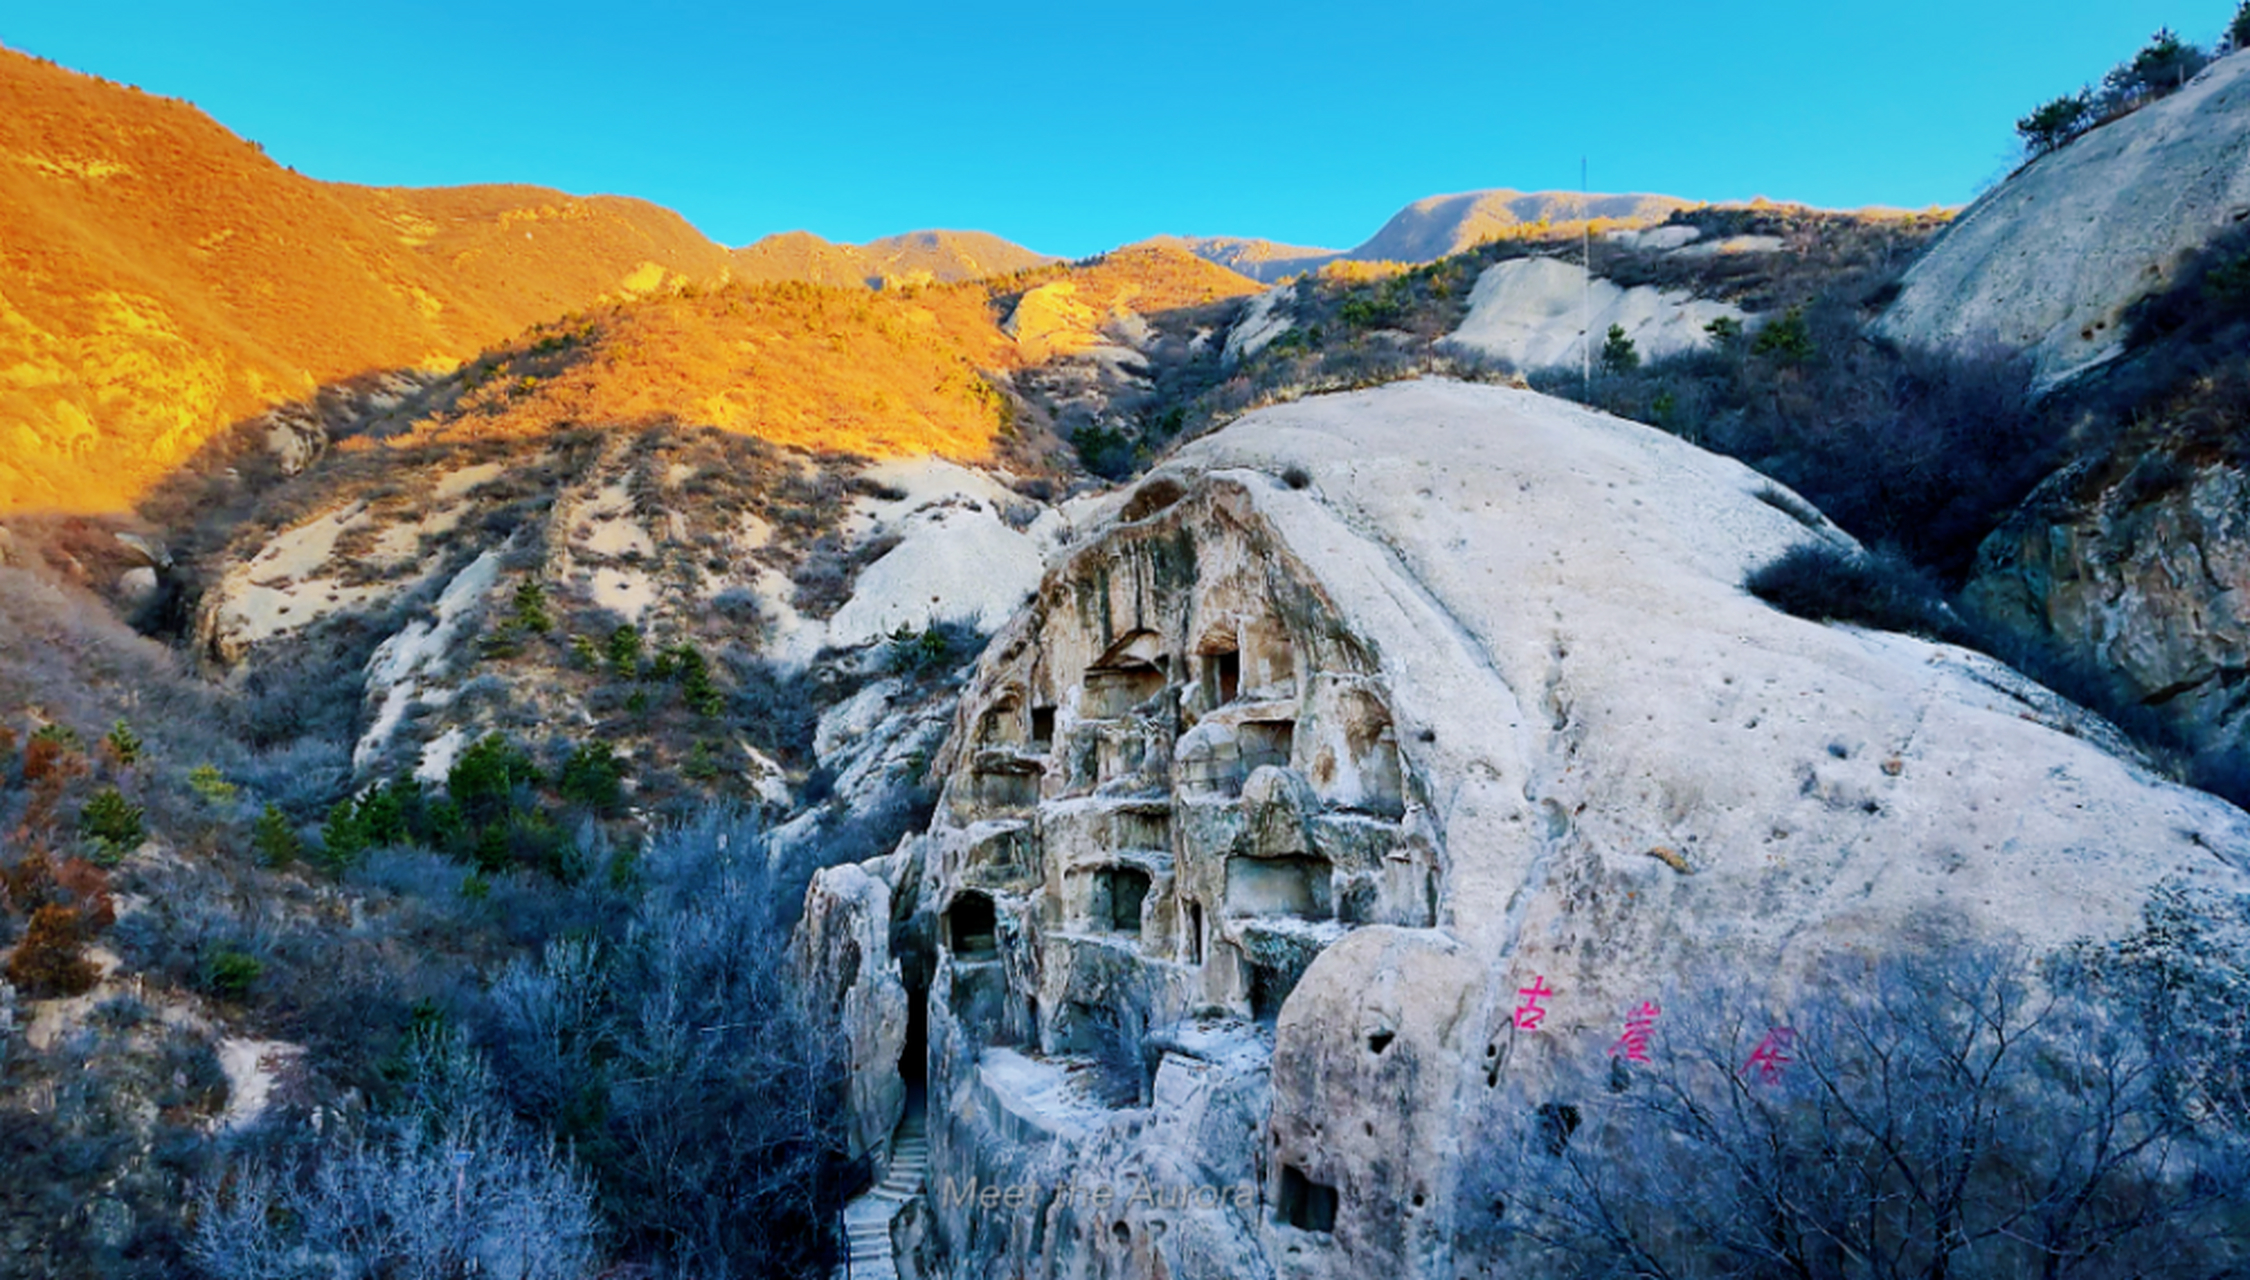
column 930, row 256
column 840, row 369
column 795, row 364
column 166, row 279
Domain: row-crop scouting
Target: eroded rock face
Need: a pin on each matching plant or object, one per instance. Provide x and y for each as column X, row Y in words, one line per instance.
column 846, row 939
column 2049, row 260
column 1361, row 715
column 2141, row 572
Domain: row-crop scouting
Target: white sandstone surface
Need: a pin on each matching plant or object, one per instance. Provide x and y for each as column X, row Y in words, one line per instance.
column 1657, row 239
column 1530, row 312
column 1483, row 702
column 2050, row 260
column 1266, row 317
column 404, row 665
column 958, row 557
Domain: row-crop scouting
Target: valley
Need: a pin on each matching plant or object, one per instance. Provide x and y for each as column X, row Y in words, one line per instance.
column 1587, row 734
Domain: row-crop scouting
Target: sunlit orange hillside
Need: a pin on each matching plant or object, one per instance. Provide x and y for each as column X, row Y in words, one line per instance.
column 161, row 278
column 1157, row 275
column 908, row 370
column 1063, row 310
column 925, row 256
column 530, row 253
column 813, row 365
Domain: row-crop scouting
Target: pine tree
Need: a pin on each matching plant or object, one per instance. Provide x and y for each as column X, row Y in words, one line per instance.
column 1618, row 354
column 273, row 839
column 531, row 609
column 2055, row 123
column 124, row 745
column 112, row 819
column 625, row 651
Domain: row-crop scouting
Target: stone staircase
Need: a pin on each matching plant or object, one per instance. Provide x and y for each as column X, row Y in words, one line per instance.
column 867, row 1219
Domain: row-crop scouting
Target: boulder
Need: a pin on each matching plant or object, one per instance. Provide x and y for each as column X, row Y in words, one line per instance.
column 137, row 586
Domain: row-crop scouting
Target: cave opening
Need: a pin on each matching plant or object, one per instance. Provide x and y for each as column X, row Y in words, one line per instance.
column 1269, row 990
column 972, row 927
column 914, row 1055
column 1297, row 886
column 1222, row 677
column 1119, row 893
column 1305, row 1204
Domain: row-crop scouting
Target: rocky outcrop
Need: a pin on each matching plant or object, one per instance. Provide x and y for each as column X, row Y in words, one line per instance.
column 818, row 567
column 1368, row 711
column 846, row 939
column 2050, row 260
column 2140, row 571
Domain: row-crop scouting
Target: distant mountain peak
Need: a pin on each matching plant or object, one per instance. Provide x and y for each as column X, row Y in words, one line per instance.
column 1440, row 226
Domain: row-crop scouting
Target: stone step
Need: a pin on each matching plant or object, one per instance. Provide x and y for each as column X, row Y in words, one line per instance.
column 867, row 1219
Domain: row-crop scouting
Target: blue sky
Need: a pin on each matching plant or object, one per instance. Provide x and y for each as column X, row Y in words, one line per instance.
column 1076, row 127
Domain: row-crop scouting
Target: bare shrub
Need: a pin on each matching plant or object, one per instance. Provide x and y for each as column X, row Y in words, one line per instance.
column 448, row 1186
column 1824, row 583
column 1957, row 1114
column 681, row 1057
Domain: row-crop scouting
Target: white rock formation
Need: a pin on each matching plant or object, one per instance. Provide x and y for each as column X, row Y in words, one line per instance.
column 1531, row 312
column 1735, row 244
column 1318, row 775
column 960, row 557
column 847, row 934
column 404, row 665
column 1266, row 318
column 1655, row 239
column 2050, row 259
column 1435, row 226
column 254, row 1071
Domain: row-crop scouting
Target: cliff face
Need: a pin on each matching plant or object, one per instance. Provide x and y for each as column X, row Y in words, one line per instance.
column 2050, row 260
column 1363, row 714
column 2137, row 569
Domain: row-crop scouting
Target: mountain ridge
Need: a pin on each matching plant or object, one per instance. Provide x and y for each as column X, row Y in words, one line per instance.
column 167, row 280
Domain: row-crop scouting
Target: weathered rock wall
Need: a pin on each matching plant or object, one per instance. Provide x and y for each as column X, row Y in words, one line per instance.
column 2140, row 571
column 1367, row 712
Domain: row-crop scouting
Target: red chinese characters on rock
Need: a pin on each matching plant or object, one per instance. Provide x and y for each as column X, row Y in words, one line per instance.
column 1529, row 1014
column 1771, row 1055
column 1640, row 1024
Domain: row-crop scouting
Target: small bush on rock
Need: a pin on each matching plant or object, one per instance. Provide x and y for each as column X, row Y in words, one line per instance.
column 1821, row 583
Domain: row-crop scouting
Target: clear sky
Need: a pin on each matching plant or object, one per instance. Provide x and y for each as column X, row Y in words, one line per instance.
column 1074, row 127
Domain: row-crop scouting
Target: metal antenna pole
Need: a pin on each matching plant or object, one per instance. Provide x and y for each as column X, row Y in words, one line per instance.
column 1586, row 300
